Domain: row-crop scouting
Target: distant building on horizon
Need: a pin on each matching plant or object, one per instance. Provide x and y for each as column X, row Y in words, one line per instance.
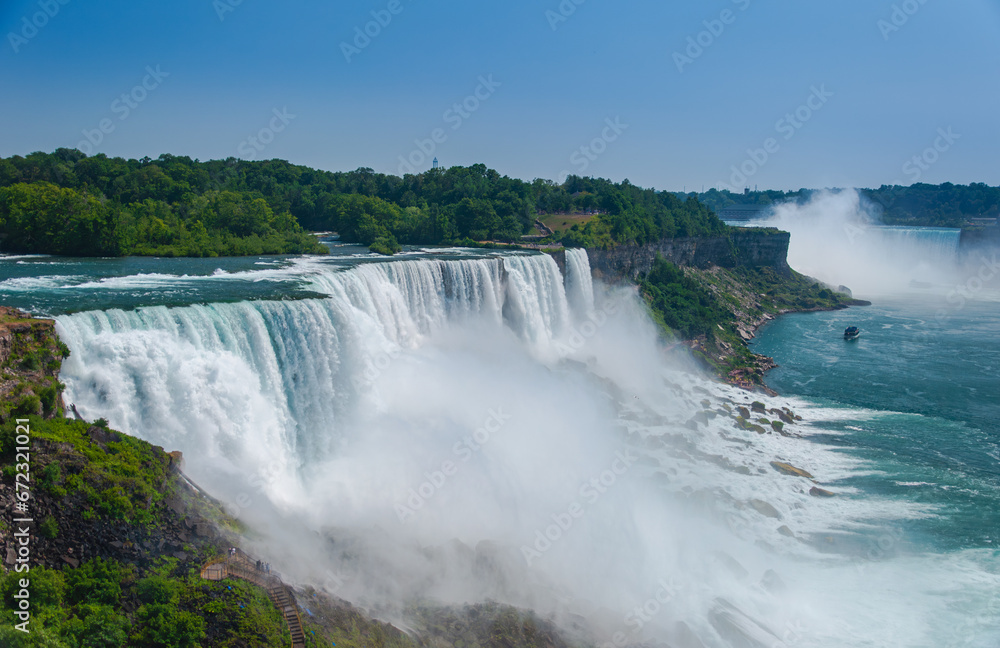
column 435, row 163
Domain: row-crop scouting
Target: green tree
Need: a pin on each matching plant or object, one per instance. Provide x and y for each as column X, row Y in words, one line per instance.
column 97, row 626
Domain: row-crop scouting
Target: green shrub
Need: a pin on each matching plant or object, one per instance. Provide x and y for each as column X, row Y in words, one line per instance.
column 49, row 528
column 31, row 362
column 114, row 503
column 158, row 590
column 679, row 303
column 97, row 581
column 51, row 476
column 48, row 588
column 164, row 626
column 49, row 397
column 386, row 245
column 97, row 626
column 28, row 406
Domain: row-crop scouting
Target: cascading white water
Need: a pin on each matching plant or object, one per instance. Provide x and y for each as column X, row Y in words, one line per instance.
column 251, row 382
column 579, row 283
column 471, row 429
column 937, row 245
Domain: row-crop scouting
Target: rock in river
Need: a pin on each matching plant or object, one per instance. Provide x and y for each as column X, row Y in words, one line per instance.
column 789, row 469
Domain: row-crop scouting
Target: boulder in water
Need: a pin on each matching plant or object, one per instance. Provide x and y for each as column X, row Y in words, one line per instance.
column 740, row 629
column 765, row 509
column 789, row 469
column 782, row 415
column 770, row 580
column 732, row 565
column 821, row 492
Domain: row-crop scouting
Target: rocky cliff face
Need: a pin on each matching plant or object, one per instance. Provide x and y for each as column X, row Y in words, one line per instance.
column 30, row 356
column 754, row 248
column 181, row 530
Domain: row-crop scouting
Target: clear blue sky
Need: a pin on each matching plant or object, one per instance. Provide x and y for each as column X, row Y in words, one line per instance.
column 891, row 90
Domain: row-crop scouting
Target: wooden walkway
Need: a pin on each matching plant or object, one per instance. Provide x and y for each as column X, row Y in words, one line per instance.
column 239, row 565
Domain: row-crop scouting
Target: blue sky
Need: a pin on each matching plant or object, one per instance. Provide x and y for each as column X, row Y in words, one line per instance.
column 556, row 74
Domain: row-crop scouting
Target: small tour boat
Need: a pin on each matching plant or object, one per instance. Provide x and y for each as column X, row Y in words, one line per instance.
column 852, row 333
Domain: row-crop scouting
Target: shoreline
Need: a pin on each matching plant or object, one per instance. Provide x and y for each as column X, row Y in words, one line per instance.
column 763, row 363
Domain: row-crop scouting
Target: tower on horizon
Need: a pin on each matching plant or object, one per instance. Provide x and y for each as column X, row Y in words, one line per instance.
column 435, row 163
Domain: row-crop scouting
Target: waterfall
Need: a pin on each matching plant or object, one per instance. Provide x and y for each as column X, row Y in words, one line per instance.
column 935, row 245
column 251, row 381
column 579, row 282
column 480, row 429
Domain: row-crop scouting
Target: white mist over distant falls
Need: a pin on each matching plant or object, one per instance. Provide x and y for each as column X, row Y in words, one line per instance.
column 835, row 237
column 475, row 429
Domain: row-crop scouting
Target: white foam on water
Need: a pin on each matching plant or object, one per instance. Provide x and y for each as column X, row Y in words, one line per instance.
column 15, row 257
column 31, row 284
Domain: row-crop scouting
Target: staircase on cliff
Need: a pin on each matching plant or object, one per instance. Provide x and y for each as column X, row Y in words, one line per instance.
column 239, row 565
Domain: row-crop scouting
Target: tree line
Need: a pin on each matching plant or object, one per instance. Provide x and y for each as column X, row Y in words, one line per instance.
column 69, row 203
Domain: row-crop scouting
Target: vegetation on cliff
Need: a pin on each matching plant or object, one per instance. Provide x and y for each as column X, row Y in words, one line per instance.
column 67, row 203
column 717, row 310
column 30, row 357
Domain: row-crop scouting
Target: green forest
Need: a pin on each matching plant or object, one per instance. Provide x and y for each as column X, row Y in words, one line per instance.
column 944, row 205
column 68, row 203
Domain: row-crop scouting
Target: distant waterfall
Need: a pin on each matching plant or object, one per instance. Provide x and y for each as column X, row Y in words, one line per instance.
column 833, row 239
column 937, row 245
